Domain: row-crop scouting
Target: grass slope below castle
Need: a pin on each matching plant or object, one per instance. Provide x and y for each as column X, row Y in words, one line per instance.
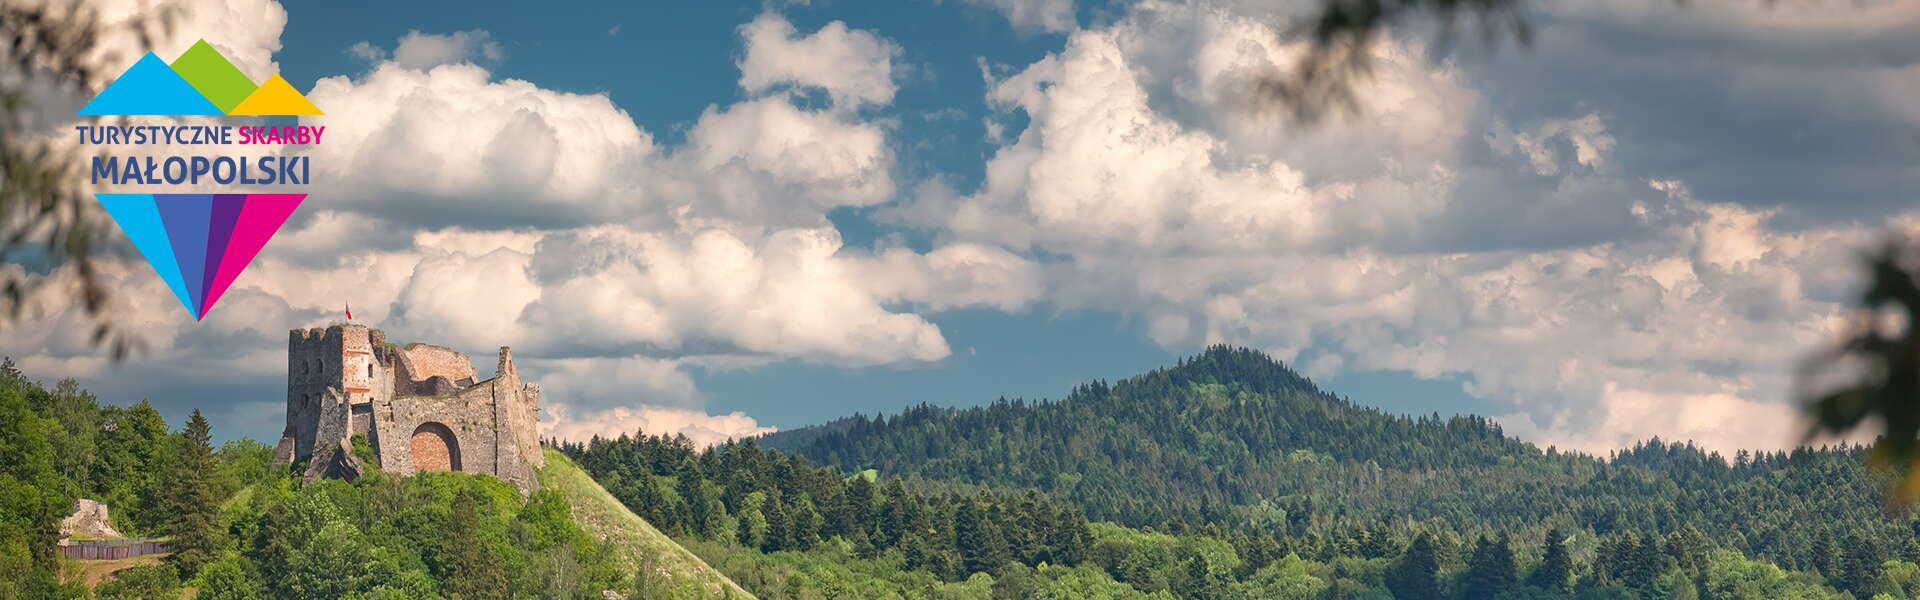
column 637, row 543
column 670, row 571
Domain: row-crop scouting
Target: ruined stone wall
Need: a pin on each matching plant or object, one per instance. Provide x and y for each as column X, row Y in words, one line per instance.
column 423, row 361
column 516, row 423
column 312, row 365
column 325, row 367
column 334, row 423
column 488, row 421
column 519, row 417
column 524, row 427
column 467, row 415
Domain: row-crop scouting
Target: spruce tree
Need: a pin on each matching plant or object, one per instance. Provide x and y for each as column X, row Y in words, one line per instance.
column 151, row 446
column 1648, row 562
column 1861, row 569
column 1201, row 583
column 1555, row 571
column 1688, row 546
column 1067, row 541
column 1413, row 577
column 650, row 503
column 193, row 500
column 700, row 512
column 981, row 547
column 1490, row 570
column 804, row 525
column 895, row 514
column 751, row 528
column 779, row 526
column 860, row 495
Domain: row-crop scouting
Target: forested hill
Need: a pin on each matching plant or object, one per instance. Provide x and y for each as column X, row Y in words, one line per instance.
column 1225, row 405
column 1232, row 437
column 1227, row 427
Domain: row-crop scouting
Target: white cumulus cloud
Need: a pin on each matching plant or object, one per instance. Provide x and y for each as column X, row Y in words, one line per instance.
column 1054, row 16
column 702, row 428
column 418, row 50
column 853, row 66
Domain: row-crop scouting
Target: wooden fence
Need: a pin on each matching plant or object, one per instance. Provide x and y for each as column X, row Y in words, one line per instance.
column 112, row 549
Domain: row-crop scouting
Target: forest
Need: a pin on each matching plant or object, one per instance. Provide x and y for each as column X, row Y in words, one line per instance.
column 1229, row 475
column 243, row 530
column 832, row 534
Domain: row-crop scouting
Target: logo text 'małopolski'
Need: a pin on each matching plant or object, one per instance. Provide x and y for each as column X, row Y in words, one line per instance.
column 199, row 241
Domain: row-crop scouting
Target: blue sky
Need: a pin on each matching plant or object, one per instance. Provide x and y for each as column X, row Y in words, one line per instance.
column 665, row 64
column 720, row 217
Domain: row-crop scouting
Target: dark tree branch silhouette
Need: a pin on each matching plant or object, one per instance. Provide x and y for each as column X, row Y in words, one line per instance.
column 1879, row 361
column 1341, row 37
column 51, row 49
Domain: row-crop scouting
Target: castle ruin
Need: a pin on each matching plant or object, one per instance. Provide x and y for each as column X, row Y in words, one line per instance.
column 420, row 408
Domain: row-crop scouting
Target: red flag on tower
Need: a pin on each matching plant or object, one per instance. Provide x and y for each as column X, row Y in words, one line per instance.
column 349, row 311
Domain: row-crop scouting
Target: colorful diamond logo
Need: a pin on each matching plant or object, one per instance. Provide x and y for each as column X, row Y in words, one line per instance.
column 199, row 243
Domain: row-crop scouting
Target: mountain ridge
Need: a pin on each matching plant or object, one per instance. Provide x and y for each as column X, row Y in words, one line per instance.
column 1232, row 436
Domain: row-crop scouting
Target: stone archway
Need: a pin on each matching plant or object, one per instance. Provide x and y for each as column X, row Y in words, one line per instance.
column 435, row 448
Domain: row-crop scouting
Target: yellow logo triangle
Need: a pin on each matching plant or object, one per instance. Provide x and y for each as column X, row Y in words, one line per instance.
column 275, row 97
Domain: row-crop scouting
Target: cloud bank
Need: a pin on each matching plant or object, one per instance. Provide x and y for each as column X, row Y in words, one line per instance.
column 1633, row 229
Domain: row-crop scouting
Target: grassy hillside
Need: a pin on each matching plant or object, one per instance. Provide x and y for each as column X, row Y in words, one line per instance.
column 637, row 543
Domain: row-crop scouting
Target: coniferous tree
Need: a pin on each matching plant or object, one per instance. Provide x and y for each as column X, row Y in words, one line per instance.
column 1555, row 571
column 700, row 509
column 1645, row 562
column 1688, row 546
column 859, row 502
column 1860, row 570
column 981, row 547
column 1068, row 540
column 193, row 498
column 1201, row 583
column 779, row 526
column 917, row 552
column 1415, row 575
column 895, row 515
column 1828, row 558
column 1490, row 572
column 1379, row 541
column 751, row 527
column 803, row 525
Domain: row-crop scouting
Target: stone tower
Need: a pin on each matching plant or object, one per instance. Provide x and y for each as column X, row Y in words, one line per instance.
column 419, row 408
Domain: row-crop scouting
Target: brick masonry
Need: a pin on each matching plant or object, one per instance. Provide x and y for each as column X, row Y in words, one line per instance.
column 420, row 408
column 432, row 449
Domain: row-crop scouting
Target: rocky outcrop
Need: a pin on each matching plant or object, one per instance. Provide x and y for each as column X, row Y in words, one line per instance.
column 89, row 520
column 336, row 462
